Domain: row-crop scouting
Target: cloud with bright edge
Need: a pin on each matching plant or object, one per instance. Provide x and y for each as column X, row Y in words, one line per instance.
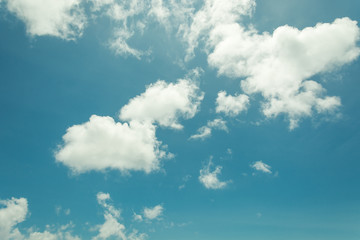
column 210, row 178
column 213, row 12
column 231, row 105
column 154, row 212
column 101, row 143
column 164, row 103
column 262, row 167
column 111, row 227
column 279, row 66
column 62, row 19
column 14, row 211
column 205, row 131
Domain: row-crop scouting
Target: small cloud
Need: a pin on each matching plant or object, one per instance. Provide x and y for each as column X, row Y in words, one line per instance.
column 229, row 151
column 185, row 179
column 137, row 217
column 210, row 178
column 153, row 213
column 231, row 105
column 67, row 212
column 59, row 210
column 205, row 131
column 262, row 167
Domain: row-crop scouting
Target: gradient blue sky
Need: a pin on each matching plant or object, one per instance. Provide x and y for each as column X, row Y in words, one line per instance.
column 50, row 82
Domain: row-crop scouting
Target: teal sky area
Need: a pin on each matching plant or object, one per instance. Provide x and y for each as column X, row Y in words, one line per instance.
column 207, row 119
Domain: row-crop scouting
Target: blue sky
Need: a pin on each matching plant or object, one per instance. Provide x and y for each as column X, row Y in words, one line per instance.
column 207, row 119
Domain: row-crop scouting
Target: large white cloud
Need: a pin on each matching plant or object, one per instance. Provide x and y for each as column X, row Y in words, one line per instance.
column 164, row 103
column 101, row 143
column 279, row 66
column 210, row 178
column 64, row 19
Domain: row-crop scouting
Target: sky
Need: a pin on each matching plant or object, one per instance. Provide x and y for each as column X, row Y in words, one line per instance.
column 205, row 119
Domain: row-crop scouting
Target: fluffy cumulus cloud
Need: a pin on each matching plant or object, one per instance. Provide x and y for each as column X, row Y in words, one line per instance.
column 154, row 212
column 101, row 143
column 280, row 66
column 112, row 228
column 164, row 103
column 14, row 211
column 231, row 105
column 262, row 167
column 213, row 13
column 63, row 19
column 205, row 131
column 210, row 178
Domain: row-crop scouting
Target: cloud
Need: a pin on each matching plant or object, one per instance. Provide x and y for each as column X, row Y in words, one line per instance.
column 118, row 43
column 111, row 227
column 122, row 13
column 213, row 12
column 101, row 143
column 153, row 213
column 164, row 103
column 262, row 167
column 159, row 11
column 210, row 178
column 231, row 105
column 63, row 19
column 59, row 210
column 185, row 179
column 205, row 131
column 137, row 217
column 13, row 212
column 280, row 66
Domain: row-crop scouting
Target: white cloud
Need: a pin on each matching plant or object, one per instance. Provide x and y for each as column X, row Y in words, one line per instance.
column 153, row 213
column 61, row 234
column 101, row 144
column 205, row 131
column 159, row 11
column 262, row 167
column 214, row 12
column 120, row 46
column 164, row 103
column 137, row 217
column 13, row 212
column 103, row 199
column 280, row 65
column 210, row 178
column 202, row 133
column 63, row 19
column 111, row 227
column 231, row 105
column 122, row 13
